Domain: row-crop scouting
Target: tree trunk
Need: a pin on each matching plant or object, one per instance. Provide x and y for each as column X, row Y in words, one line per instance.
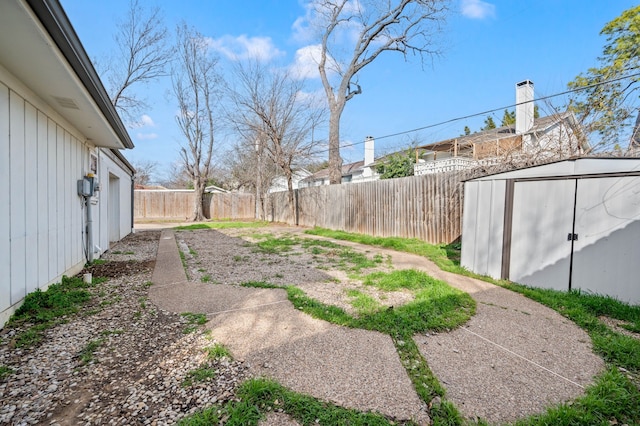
column 198, row 189
column 335, row 161
column 291, row 198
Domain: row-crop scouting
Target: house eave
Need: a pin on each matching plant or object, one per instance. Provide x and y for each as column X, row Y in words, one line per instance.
column 40, row 48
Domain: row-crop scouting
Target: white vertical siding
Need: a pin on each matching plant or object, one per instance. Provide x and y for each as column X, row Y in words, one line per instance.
column 5, row 212
column 103, row 215
column 40, row 192
column 52, row 200
column 30, row 194
column 17, row 197
column 41, row 214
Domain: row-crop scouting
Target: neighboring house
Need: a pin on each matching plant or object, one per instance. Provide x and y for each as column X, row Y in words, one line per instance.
column 279, row 184
column 530, row 141
column 212, row 189
column 360, row 171
column 57, row 126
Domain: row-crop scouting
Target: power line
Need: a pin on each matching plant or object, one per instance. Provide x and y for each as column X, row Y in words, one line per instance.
column 430, row 126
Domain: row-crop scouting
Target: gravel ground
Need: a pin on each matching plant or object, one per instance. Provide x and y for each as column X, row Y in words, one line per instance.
column 137, row 372
column 353, row 368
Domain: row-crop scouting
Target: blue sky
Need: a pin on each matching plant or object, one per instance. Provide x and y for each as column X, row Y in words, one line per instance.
column 487, row 47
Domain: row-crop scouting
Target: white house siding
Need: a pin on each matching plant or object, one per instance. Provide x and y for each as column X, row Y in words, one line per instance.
column 41, row 216
column 112, row 172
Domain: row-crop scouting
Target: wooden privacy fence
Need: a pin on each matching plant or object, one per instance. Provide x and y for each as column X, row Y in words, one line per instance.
column 178, row 205
column 427, row 207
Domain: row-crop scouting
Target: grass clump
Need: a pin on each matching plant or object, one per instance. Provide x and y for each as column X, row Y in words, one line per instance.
column 217, row 351
column 362, row 302
column 194, row 321
column 206, row 278
column 612, row 400
column 86, row 354
column 200, row 374
column 5, row 371
column 44, row 309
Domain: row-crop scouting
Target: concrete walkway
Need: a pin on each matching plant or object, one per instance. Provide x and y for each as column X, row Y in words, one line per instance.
column 514, row 358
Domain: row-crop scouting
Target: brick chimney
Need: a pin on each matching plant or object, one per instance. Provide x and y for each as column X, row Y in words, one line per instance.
column 368, row 150
column 524, row 106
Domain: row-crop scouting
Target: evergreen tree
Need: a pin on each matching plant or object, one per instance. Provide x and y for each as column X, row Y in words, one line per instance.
column 467, row 130
column 489, row 123
column 509, row 118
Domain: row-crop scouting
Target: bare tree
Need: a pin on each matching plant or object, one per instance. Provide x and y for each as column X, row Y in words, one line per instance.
column 145, row 169
column 246, row 170
column 142, row 56
column 372, row 27
column 194, row 85
column 272, row 108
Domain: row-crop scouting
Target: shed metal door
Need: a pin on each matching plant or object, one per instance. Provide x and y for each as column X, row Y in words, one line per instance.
column 606, row 257
column 542, row 220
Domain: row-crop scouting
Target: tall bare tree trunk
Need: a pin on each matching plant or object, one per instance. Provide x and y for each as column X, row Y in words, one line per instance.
column 335, row 160
column 198, row 214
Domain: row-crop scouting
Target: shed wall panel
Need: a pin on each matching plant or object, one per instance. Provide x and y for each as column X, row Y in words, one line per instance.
column 496, row 228
column 607, row 252
column 469, row 226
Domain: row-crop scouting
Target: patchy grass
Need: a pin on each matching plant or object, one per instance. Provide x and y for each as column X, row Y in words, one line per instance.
column 437, row 306
column 447, row 257
column 259, row 396
column 86, row 354
column 201, row 374
column 584, row 309
column 5, row 371
column 44, row 309
column 217, row 351
column 221, row 225
column 362, row 302
column 206, row 278
column 613, row 399
column 194, row 321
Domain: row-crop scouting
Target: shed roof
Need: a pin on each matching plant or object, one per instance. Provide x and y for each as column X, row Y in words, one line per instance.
column 583, row 166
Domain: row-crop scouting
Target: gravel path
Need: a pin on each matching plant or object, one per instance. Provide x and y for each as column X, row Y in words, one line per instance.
column 138, row 369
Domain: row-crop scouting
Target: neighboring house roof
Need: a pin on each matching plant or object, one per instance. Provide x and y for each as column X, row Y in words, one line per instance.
column 504, row 133
column 347, row 170
column 30, row 31
column 214, row 189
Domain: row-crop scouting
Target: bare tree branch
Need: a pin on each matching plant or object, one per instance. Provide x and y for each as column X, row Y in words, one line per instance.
column 404, row 26
column 194, row 83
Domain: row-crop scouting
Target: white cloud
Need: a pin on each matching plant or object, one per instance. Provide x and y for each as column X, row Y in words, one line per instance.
column 478, row 9
column 306, row 62
column 243, row 47
column 146, row 121
column 146, row 136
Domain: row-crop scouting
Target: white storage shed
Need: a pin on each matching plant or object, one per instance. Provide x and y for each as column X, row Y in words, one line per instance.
column 572, row 224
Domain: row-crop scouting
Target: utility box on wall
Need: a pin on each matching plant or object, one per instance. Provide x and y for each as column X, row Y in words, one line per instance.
column 573, row 224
